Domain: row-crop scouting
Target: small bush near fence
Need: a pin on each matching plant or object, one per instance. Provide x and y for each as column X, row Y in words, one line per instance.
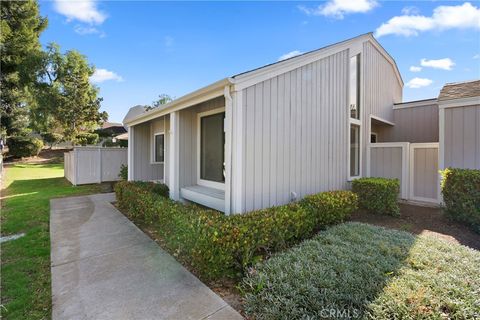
column 216, row 245
column 378, row 195
column 24, row 146
column 123, row 172
column 461, row 195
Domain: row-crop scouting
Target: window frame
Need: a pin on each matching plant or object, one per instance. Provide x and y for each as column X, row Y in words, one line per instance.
column 154, row 146
column 354, row 121
column 200, row 181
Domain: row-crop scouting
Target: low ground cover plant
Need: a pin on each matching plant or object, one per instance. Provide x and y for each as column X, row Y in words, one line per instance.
column 360, row 271
column 378, row 195
column 461, row 195
column 216, row 245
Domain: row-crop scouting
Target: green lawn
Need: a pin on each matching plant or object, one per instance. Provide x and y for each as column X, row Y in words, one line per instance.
column 360, row 271
column 25, row 262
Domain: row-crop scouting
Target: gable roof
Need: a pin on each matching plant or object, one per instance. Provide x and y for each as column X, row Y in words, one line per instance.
column 248, row 78
column 459, row 90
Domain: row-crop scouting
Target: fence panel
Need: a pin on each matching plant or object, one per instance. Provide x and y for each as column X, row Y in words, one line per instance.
column 389, row 160
column 424, row 176
column 86, row 165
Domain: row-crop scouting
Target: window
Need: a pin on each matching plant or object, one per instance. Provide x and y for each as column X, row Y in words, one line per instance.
column 354, row 117
column 354, row 150
column 354, row 97
column 159, row 148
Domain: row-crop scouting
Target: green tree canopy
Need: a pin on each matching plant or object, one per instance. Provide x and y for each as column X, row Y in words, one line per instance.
column 21, row 56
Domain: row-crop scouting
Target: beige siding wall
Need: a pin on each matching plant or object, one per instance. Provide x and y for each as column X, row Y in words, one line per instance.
column 381, row 90
column 143, row 169
column 413, row 124
column 462, row 137
column 425, row 173
column 296, row 133
column 188, row 140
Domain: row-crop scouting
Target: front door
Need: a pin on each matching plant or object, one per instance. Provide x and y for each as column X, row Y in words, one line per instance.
column 212, row 149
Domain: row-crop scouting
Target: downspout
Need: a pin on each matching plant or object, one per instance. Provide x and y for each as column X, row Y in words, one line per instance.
column 228, row 148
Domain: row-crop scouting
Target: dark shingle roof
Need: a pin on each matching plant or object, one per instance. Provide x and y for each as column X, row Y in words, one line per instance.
column 460, row 90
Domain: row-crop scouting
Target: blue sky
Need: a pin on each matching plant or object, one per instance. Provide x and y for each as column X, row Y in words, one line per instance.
column 144, row 48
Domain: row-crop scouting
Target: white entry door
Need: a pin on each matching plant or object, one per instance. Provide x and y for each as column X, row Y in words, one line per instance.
column 211, row 147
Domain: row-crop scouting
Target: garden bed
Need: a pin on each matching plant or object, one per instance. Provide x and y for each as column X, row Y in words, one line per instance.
column 356, row 270
column 423, row 220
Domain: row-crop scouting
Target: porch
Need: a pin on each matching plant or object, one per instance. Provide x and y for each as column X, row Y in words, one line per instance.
column 186, row 150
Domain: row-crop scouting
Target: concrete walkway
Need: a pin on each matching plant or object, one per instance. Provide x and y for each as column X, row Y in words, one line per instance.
column 104, row 267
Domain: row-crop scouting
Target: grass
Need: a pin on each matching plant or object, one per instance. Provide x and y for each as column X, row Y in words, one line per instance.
column 361, row 271
column 25, row 262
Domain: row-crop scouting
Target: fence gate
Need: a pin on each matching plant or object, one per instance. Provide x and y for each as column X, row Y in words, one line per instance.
column 414, row 164
column 424, row 176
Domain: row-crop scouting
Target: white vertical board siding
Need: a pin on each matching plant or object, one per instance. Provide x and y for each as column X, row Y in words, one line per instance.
column 415, row 124
column 386, row 163
column 143, row 168
column 188, row 139
column 381, row 89
column 295, row 133
column 462, row 137
column 424, row 173
column 112, row 160
column 88, row 166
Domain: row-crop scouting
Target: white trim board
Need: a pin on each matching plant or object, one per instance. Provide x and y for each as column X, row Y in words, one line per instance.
column 414, row 104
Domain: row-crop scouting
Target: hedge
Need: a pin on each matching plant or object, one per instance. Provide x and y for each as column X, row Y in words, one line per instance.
column 378, row 195
column 461, row 195
column 21, row 146
column 219, row 246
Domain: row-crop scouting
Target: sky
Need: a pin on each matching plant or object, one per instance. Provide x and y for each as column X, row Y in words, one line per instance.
column 145, row 48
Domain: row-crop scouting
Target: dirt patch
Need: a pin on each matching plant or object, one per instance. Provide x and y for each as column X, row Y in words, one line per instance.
column 45, row 156
column 424, row 220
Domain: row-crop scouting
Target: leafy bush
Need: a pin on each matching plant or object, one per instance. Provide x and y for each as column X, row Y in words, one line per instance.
column 360, row 271
column 461, row 195
column 51, row 138
column 86, row 138
column 24, row 146
column 217, row 245
column 123, row 172
column 378, row 195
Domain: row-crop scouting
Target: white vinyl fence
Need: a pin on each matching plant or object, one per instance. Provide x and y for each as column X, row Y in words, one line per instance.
column 414, row 164
column 84, row 165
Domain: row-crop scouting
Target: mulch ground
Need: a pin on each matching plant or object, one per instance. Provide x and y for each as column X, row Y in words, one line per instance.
column 424, row 220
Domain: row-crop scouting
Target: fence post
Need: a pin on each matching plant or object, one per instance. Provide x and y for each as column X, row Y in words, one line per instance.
column 100, row 164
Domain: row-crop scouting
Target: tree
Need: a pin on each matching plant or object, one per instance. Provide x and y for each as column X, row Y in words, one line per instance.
column 21, row 26
column 162, row 99
column 65, row 95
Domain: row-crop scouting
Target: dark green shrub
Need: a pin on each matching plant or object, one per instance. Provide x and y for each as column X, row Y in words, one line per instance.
column 24, row 146
column 123, row 172
column 461, row 195
column 331, row 207
column 378, row 195
column 51, row 138
column 216, row 245
column 86, row 138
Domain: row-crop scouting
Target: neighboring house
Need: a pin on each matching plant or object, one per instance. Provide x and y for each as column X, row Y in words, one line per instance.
column 277, row 133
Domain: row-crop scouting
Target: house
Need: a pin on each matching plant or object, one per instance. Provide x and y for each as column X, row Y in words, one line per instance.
column 273, row 134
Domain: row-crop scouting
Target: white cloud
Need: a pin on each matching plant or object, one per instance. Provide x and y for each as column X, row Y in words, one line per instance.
column 81, row 10
column 416, row 83
column 101, row 75
column 415, row 69
column 477, row 56
column 338, row 8
column 444, row 64
column 410, row 10
column 290, row 54
column 81, row 30
column 443, row 17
